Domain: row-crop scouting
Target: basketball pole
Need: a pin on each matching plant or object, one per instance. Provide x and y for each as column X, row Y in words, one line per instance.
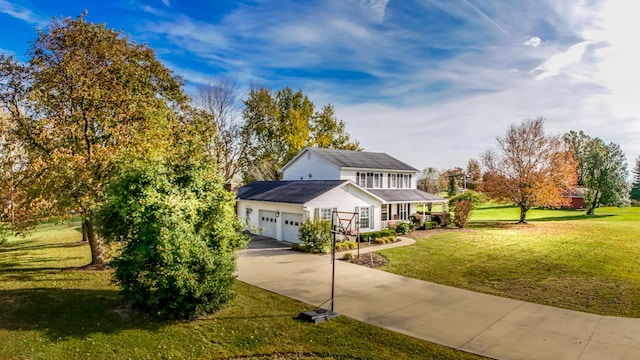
column 333, row 263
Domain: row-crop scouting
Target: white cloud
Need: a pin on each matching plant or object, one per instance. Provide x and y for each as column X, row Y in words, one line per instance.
column 533, row 42
column 21, row 13
column 166, row 3
column 562, row 62
column 376, row 8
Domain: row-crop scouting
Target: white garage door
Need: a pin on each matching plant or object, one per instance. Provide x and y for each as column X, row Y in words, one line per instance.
column 290, row 226
column 268, row 223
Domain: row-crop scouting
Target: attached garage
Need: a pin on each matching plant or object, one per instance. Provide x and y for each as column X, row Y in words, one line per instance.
column 277, row 209
column 268, row 223
column 290, row 227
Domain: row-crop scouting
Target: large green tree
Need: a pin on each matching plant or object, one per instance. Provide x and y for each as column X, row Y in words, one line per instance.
column 283, row 123
column 602, row 170
column 86, row 93
column 529, row 169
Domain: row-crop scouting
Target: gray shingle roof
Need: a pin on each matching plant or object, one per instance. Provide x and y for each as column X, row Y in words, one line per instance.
column 362, row 159
column 406, row 195
column 293, row 192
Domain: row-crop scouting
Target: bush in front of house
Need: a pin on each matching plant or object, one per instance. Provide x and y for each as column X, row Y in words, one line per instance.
column 373, row 235
column 346, row 245
column 315, row 236
column 428, row 225
column 405, row 228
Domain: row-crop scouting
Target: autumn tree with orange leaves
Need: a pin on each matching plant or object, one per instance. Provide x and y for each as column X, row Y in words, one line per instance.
column 86, row 93
column 529, row 168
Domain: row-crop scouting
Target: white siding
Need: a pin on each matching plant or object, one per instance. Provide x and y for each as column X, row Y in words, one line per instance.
column 254, row 217
column 348, row 175
column 310, row 163
column 346, row 198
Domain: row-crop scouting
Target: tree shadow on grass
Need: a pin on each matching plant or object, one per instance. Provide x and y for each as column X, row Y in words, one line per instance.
column 510, row 223
column 579, row 216
column 40, row 246
column 68, row 313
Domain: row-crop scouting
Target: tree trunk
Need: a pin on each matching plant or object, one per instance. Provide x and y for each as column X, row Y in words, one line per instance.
column 594, row 203
column 95, row 243
column 85, row 231
column 523, row 215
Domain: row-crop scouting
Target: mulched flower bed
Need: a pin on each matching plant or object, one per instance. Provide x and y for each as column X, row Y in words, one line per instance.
column 371, row 260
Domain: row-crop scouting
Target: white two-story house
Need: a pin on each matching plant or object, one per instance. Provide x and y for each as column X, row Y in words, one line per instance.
column 376, row 187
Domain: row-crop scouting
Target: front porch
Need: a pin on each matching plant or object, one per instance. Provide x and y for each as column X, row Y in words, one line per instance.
column 397, row 212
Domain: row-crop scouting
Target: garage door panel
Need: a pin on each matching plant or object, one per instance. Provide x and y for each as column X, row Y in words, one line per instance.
column 290, row 227
column 268, row 223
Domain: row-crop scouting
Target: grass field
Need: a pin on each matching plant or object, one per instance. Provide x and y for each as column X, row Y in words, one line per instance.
column 561, row 258
column 52, row 309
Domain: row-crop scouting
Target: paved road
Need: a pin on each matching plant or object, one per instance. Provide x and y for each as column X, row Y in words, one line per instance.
column 482, row 324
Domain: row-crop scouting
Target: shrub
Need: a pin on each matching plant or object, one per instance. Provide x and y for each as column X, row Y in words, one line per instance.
column 404, row 228
column 443, row 219
column 348, row 256
column 346, row 245
column 428, row 225
column 462, row 205
column 179, row 234
column 384, row 240
column 372, row 235
column 316, row 236
column 461, row 210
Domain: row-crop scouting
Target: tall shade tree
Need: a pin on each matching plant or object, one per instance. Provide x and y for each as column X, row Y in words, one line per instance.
column 635, row 185
column 603, row 169
column 86, row 93
column 227, row 142
column 579, row 143
column 328, row 131
column 529, row 168
column 283, row 123
column 473, row 174
column 429, row 180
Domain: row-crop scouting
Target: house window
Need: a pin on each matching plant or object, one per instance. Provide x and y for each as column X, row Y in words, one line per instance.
column 403, row 211
column 325, row 214
column 384, row 216
column 363, row 179
column 369, row 180
column 364, row 217
column 393, row 181
column 406, row 180
column 376, row 180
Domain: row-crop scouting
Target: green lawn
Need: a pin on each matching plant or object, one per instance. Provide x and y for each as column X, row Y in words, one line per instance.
column 52, row 309
column 561, row 258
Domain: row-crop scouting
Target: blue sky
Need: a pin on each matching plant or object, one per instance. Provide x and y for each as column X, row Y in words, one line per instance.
column 432, row 83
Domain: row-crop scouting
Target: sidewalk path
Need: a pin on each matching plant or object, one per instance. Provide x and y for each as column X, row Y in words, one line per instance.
column 482, row 324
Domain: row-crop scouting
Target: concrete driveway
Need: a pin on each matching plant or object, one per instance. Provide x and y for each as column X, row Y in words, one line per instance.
column 482, row 324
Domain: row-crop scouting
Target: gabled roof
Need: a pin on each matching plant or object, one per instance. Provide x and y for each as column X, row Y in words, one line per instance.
column 293, row 192
column 406, row 195
column 357, row 159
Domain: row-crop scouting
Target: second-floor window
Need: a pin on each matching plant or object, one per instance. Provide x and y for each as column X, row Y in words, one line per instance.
column 406, row 181
column 393, row 181
column 376, row 180
column 362, row 179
